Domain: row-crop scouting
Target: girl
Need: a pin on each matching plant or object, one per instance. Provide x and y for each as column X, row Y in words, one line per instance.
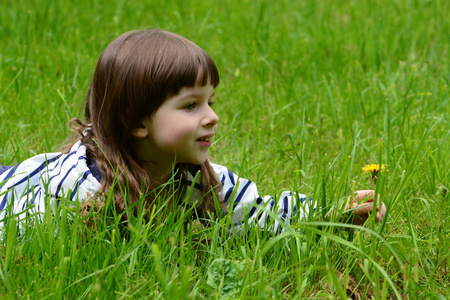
column 148, row 117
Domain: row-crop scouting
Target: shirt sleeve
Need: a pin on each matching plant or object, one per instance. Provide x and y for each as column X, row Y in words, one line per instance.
column 42, row 181
column 269, row 213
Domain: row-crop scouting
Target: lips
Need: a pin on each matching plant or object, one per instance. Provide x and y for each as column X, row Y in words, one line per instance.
column 205, row 140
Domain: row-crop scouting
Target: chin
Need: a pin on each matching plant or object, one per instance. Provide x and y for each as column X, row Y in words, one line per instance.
column 199, row 161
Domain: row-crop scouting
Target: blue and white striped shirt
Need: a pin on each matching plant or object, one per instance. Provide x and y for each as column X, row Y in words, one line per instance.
column 37, row 183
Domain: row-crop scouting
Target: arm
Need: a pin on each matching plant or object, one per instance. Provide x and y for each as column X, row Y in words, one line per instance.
column 247, row 207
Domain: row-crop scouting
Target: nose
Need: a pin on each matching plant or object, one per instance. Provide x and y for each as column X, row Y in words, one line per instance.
column 211, row 118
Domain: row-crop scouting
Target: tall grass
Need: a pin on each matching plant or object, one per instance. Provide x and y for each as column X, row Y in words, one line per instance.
column 310, row 92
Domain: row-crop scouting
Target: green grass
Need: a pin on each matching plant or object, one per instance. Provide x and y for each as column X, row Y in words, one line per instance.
column 310, row 92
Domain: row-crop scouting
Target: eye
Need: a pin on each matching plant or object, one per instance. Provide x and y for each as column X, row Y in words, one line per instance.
column 211, row 103
column 190, row 106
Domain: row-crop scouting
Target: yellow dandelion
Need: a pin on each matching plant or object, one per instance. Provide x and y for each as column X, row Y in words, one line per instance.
column 374, row 169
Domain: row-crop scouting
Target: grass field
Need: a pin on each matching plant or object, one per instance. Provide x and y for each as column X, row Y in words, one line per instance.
column 310, row 92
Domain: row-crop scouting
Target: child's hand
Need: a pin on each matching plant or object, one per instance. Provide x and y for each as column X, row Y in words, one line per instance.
column 362, row 203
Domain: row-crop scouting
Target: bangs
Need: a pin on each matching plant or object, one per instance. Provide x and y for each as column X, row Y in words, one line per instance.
column 207, row 72
column 167, row 62
column 191, row 66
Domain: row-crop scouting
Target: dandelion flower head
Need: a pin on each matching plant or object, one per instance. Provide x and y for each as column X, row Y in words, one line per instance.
column 373, row 168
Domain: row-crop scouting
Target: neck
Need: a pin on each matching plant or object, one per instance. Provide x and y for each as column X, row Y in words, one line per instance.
column 159, row 172
column 159, row 168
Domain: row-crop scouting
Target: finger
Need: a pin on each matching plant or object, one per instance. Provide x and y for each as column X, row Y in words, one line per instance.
column 363, row 195
column 363, row 209
column 383, row 210
column 380, row 216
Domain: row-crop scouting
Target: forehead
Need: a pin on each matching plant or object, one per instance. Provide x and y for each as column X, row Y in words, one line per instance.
column 197, row 91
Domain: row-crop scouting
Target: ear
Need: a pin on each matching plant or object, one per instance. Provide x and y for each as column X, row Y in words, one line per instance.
column 140, row 132
column 143, row 128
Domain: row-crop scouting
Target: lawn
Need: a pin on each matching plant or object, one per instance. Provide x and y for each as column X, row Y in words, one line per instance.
column 310, row 92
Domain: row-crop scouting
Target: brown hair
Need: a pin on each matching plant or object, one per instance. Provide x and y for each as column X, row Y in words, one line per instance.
column 134, row 75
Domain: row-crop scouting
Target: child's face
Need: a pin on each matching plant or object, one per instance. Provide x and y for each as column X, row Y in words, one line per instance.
column 181, row 129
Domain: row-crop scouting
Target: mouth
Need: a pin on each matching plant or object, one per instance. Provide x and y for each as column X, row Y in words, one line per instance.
column 205, row 139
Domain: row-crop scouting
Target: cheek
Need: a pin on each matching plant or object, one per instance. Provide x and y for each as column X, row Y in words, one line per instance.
column 173, row 134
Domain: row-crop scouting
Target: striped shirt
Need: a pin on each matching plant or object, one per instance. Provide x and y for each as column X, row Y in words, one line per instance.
column 38, row 184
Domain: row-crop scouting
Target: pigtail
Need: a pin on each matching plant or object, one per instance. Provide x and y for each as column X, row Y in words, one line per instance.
column 117, row 174
column 211, row 189
column 80, row 132
column 211, row 195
